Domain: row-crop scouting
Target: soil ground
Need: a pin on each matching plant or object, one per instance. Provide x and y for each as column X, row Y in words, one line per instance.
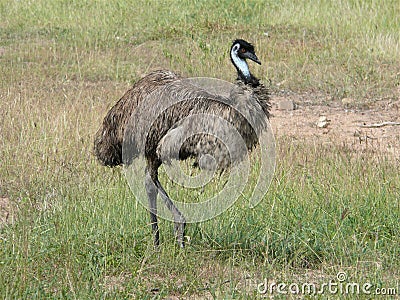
column 357, row 129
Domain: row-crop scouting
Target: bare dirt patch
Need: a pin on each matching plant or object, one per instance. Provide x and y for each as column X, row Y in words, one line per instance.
column 343, row 126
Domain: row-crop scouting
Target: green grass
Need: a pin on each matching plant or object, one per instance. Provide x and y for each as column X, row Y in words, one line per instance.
column 79, row 232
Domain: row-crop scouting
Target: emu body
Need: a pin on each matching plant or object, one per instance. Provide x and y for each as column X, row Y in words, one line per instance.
column 172, row 100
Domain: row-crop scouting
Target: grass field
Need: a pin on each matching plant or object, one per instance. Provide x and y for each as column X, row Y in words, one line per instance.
column 76, row 231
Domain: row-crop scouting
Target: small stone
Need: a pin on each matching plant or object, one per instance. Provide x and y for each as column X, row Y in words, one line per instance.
column 286, row 105
column 322, row 122
column 348, row 101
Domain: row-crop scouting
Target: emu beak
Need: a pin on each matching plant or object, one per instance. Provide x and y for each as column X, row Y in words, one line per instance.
column 253, row 57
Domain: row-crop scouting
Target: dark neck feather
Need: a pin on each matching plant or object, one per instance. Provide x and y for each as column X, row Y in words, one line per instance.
column 252, row 80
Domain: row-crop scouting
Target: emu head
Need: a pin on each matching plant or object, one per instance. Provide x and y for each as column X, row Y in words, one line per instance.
column 240, row 51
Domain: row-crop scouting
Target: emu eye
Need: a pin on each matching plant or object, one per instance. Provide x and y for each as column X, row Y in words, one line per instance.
column 243, row 50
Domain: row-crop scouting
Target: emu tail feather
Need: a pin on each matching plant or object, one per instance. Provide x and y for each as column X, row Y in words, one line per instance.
column 107, row 148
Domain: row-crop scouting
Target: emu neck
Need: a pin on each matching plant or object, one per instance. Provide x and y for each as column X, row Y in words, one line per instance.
column 243, row 70
column 241, row 66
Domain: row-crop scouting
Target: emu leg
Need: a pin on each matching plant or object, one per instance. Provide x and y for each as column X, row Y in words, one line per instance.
column 180, row 221
column 152, row 191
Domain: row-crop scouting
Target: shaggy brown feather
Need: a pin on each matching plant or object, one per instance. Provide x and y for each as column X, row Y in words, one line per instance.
column 109, row 138
column 166, row 87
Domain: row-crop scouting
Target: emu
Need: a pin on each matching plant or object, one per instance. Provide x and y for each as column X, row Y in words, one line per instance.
column 123, row 121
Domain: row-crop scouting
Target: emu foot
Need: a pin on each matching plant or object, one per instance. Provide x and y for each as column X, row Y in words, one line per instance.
column 180, row 233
